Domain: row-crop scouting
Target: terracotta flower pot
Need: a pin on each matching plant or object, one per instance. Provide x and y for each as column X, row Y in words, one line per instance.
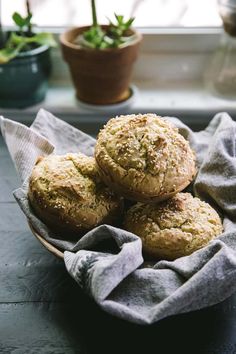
column 100, row 76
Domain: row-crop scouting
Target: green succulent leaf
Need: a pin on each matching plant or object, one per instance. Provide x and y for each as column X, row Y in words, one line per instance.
column 18, row 19
column 16, row 43
column 39, row 38
column 24, row 38
column 15, row 39
column 119, row 19
column 8, row 54
column 130, row 22
column 115, row 36
column 94, row 37
column 28, row 19
column 43, row 39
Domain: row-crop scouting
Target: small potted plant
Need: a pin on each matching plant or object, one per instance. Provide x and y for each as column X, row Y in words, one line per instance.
column 100, row 58
column 24, row 63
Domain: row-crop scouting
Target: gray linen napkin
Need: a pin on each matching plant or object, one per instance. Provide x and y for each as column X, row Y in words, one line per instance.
column 120, row 282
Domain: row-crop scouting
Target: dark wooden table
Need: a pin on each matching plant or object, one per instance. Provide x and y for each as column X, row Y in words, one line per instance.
column 42, row 310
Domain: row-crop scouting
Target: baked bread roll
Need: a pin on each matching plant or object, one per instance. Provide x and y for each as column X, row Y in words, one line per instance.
column 67, row 194
column 144, row 158
column 174, row 228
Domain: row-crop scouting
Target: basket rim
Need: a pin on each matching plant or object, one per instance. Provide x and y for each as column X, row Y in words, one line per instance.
column 54, row 250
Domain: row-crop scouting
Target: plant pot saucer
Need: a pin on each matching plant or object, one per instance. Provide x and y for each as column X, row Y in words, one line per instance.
column 111, row 107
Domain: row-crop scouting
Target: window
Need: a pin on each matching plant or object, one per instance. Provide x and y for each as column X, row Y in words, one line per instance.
column 148, row 13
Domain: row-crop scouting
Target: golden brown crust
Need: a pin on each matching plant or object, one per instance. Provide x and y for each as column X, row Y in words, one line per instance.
column 174, row 228
column 144, row 158
column 67, row 193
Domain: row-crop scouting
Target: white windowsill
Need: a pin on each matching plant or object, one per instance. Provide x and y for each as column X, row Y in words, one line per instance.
column 190, row 99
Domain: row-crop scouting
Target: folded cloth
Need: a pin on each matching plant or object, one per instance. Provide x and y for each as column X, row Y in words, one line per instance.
column 120, row 282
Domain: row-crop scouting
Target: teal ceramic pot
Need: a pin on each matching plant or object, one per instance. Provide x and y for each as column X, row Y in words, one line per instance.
column 24, row 80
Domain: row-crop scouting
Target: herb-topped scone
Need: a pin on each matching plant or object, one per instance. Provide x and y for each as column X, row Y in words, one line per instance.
column 144, row 158
column 66, row 193
column 174, row 228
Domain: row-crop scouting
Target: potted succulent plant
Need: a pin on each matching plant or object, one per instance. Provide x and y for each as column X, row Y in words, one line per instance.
column 100, row 58
column 24, row 63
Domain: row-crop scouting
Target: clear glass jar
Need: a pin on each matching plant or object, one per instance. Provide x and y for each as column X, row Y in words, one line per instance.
column 220, row 77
